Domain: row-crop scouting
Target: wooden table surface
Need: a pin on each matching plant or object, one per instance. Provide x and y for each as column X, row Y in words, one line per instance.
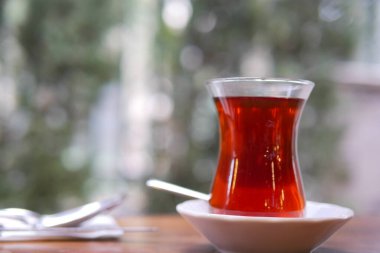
column 360, row 235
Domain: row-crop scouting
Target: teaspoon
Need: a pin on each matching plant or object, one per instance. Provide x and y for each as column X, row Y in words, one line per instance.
column 161, row 185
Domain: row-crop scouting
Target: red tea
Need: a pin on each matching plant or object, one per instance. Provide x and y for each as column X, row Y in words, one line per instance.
column 258, row 170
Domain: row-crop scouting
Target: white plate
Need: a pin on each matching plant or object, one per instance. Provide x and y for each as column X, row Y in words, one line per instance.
column 231, row 233
column 99, row 227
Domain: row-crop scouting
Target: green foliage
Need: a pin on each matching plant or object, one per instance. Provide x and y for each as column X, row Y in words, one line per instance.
column 65, row 64
column 61, row 38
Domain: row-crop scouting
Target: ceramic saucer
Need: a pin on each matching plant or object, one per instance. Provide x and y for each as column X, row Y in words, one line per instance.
column 243, row 234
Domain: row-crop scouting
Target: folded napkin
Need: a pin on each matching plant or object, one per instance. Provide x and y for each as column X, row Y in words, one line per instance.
column 99, row 227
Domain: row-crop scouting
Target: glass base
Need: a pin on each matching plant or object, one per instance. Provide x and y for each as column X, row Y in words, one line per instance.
column 292, row 214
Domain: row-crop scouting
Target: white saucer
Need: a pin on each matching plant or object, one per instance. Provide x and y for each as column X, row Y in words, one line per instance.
column 231, row 233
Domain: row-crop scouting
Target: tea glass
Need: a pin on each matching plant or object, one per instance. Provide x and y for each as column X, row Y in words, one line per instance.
column 258, row 171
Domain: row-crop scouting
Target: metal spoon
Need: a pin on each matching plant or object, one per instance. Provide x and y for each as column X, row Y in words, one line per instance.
column 66, row 218
column 161, row 185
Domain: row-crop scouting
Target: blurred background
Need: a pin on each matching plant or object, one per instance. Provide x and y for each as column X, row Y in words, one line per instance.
column 98, row 96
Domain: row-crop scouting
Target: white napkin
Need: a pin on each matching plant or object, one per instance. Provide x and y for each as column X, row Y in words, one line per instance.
column 99, row 227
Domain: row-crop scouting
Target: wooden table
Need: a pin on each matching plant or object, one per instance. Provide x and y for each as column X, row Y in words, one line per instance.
column 360, row 235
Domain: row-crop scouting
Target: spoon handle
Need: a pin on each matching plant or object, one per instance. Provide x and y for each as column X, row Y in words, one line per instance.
column 161, row 185
column 75, row 216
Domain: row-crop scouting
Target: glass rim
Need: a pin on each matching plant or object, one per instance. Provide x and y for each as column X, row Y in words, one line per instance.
column 261, row 80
